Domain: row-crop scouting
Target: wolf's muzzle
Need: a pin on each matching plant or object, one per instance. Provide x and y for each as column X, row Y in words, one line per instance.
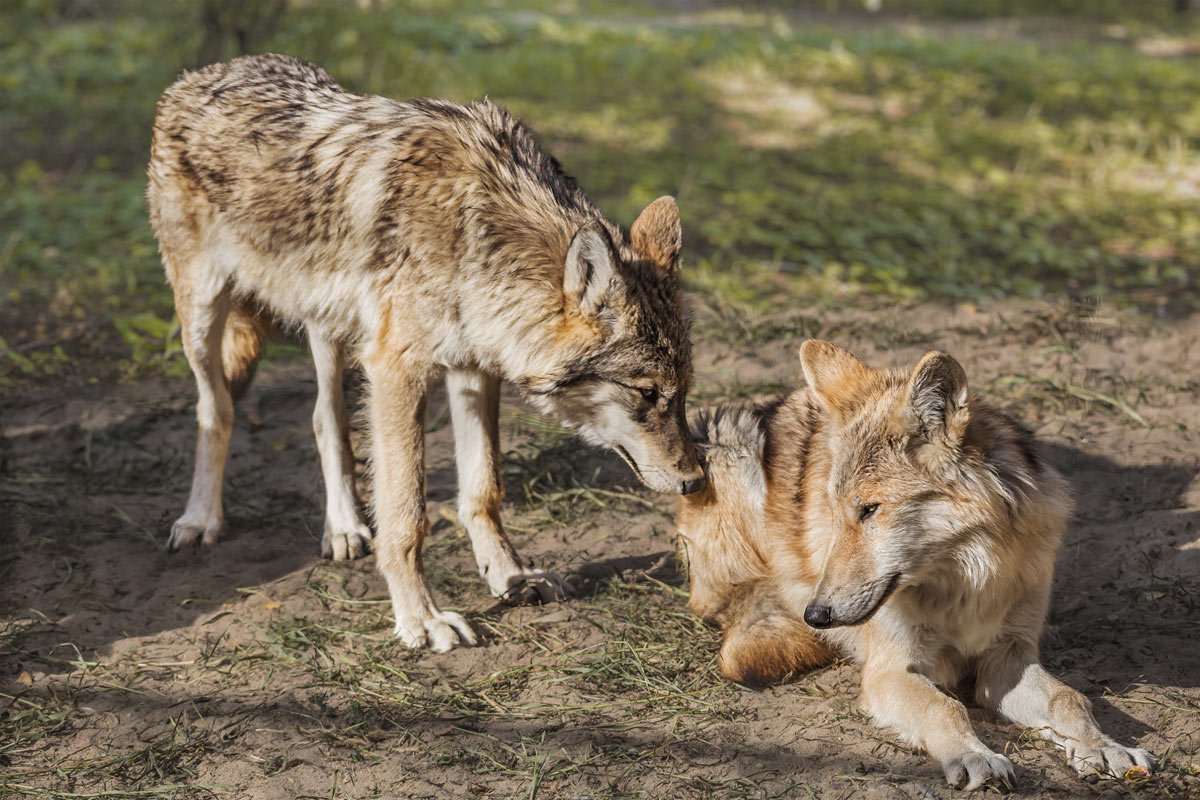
column 851, row 608
column 692, row 486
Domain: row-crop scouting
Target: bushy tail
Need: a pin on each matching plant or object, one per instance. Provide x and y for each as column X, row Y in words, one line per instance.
column 242, row 343
column 765, row 643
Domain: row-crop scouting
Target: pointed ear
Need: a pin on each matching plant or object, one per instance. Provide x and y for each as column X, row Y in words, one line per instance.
column 657, row 234
column 590, row 268
column 937, row 400
column 834, row 374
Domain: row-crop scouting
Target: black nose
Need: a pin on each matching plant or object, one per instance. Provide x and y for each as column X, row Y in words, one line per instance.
column 818, row 616
column 692, row 486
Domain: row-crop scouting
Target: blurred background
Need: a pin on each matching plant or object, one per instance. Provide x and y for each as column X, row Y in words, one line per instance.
column 824, row 153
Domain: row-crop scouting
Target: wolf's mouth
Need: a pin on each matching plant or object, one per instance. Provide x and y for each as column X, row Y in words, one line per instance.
column 823, row 615
column 628, row 459
column 883, row 596
column 892, row 583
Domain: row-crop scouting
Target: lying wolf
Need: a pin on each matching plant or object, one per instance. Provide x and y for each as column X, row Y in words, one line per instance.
column 892, row 517
column 417, row 238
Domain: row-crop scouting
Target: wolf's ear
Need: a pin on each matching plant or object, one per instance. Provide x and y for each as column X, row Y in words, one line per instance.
column 590, row 269
column 937, row 400
column 834, row 374
column 657, row 234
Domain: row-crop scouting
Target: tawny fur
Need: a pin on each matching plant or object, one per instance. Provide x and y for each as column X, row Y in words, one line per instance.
column 418, row 239
column 917, row 528
column 241, row 345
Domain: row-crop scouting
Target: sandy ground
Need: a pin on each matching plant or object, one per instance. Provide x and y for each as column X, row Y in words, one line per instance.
column 255, row 669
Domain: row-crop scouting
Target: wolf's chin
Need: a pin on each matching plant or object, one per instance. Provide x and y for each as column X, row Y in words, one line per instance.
column 628, row 459
column 892, row 584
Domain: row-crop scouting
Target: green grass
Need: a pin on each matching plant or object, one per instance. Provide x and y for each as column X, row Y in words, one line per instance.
column 813, row 164
column 1150, row 13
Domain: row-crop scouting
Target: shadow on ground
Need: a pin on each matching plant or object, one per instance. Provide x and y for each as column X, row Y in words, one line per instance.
column 89, row 506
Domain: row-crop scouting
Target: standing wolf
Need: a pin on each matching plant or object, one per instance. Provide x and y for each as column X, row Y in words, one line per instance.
column 420, row 238
column 891, row 516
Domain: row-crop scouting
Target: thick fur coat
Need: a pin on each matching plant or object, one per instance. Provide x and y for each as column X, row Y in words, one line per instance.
column 419, row 239
column 890, row 516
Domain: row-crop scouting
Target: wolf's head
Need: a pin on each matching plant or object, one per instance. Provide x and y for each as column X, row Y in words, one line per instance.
column 911, row 476
column 625, row 381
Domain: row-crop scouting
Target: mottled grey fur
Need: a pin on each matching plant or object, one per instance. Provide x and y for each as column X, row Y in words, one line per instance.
column 417, row 238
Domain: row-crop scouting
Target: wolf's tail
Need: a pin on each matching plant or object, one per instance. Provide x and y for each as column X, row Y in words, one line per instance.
column 765, row 643
column 242, row 344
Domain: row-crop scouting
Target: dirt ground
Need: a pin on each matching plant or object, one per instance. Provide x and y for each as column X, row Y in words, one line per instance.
column 255, row 669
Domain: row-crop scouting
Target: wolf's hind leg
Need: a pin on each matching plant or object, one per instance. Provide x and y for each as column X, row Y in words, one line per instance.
column 475, row 411
column 1014, row 683
column 397, row 414
column 203, row 310
column 346, row 535
column 764, row 643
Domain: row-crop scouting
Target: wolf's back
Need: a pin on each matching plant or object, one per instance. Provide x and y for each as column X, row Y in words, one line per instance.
column 268, row 136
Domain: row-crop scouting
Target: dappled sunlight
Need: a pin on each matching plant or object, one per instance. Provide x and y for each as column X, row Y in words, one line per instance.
column 609, row 126
column 902, row 156
column 1015, row 182
column 763, row 111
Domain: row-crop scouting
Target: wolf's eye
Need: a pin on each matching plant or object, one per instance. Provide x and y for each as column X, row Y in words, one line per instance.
column 866, row 511
column 650, row 395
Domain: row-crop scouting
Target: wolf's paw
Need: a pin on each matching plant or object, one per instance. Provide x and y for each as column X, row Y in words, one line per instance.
column 1108, row 758
column 346, row 544
column 441, row 631
column 188, row 533
column 533, row 587
column 972, row 770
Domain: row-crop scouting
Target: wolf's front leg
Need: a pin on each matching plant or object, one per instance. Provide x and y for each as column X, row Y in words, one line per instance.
column 475, row 412
column 911, row 704
column 1012, row 681
column 397, row 413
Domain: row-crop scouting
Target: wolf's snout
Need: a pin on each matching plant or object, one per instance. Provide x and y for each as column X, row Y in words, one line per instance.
column 692, row 485
column 818, row 615
column 849, row 606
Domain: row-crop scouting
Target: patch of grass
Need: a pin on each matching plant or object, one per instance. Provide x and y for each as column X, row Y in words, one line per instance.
column 1062, row 390
column 25, row 723
column 161, row 766
column 752, row 324
column 557, row 487
column 1148, row 13
column 659, row 660
column 1054, row 397
column 812, row 164
column 710, row 394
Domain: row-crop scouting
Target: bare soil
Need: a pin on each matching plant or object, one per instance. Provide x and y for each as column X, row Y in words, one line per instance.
column 255, row 669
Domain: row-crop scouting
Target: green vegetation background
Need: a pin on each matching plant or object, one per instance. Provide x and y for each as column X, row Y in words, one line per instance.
column 821, row 155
